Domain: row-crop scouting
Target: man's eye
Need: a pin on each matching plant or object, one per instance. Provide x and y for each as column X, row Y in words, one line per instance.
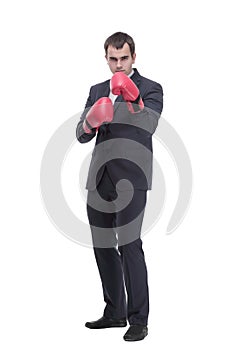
column 112, row 59
column 124, row 58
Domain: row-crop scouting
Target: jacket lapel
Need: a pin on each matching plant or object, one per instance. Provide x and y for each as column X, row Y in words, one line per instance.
column 106, row 89
column 136, row 77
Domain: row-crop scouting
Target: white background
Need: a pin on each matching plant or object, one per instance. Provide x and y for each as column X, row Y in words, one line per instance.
column 51, row 53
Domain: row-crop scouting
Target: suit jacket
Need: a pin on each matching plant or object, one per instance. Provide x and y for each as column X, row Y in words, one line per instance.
column 124, row 146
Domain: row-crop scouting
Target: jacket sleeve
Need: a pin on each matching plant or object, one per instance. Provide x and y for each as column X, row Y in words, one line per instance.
column 80, row 133
column 152, row 97
column 153, row 101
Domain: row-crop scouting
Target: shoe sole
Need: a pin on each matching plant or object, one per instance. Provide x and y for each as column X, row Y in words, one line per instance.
column 110, row 326
column 136, row 339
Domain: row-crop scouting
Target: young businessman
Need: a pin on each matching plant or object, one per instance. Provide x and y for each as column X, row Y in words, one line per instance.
column 122, row 113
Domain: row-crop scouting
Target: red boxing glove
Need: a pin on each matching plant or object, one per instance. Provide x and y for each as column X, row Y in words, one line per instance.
column 123, row 85
column 100, row 112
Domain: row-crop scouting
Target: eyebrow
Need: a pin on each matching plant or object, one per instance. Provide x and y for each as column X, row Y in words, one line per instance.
column 115, row 58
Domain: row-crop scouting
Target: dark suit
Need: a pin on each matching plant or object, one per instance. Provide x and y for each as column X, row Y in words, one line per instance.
column 123, row 150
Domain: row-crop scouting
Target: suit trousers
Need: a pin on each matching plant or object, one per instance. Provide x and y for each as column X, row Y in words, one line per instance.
column 116, row 230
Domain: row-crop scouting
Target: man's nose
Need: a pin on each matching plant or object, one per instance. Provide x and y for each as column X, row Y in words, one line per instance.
column 119, row 63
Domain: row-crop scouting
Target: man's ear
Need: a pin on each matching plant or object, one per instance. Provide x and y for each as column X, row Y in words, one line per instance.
column 134, row 57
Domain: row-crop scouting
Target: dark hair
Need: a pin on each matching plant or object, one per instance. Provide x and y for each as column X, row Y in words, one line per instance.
column 118, row 40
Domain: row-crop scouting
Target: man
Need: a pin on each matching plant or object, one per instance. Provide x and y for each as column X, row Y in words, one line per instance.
column 123, row 114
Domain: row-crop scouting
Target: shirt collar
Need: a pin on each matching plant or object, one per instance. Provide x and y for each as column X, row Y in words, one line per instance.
column 131, row 73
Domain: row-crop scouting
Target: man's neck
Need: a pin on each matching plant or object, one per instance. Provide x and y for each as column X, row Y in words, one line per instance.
column 131, row 73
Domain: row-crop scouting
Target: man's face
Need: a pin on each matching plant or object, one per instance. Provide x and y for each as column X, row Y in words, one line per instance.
column 120, row 60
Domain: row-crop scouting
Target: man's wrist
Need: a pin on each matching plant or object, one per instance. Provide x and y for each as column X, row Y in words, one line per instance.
column 137, row 105
column 88, row 129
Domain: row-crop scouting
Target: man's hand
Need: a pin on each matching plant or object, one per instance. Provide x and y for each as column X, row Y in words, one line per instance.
column 100, row 112
column 123, row 85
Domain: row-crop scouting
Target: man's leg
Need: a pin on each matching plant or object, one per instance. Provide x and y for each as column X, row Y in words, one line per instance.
column 129, row 222
column 135, row 273
column 111, row 274
column 106, row 253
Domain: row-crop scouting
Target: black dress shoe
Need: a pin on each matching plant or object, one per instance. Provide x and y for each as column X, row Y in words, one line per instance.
column 105, row 322
column 136, row 332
